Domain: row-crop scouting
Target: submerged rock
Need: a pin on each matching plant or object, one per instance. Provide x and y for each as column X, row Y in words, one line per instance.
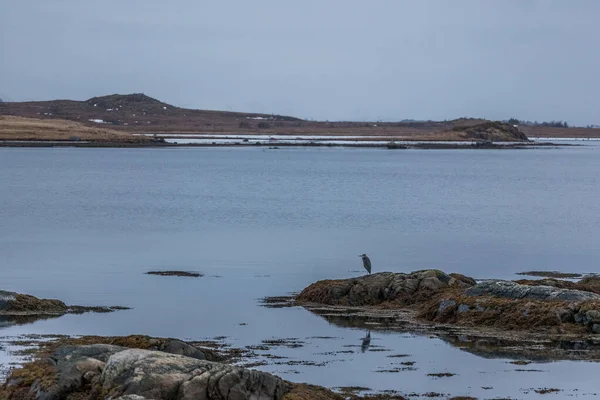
column 382, row 287
column 514, row 290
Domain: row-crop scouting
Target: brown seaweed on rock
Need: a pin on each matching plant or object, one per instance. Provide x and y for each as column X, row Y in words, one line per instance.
column 383, row 287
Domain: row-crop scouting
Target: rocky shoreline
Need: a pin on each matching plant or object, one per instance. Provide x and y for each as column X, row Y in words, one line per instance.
column 142, row 367
column 416, row 145
column 525, row 305
column 547, row 319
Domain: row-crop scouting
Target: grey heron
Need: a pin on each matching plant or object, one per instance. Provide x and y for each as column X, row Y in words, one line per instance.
column 366, row 262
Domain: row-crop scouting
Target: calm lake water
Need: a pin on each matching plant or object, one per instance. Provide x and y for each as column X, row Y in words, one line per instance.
column 83, row 225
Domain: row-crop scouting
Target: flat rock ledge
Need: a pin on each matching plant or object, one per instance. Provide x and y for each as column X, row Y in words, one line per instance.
column 529, row 306
column 105, row 371
column 16, row 304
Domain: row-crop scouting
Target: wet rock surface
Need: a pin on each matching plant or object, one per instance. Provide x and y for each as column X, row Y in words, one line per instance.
column 383, row 287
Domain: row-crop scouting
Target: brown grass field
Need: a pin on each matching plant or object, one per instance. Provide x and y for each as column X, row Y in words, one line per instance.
column 20, row 128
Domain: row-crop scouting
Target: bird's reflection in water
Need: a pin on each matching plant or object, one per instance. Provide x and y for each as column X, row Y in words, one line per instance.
column 366, row 342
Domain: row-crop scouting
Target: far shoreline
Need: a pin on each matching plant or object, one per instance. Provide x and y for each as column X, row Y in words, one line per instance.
column 423, row 145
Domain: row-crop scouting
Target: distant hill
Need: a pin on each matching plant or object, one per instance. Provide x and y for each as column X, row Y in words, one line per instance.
column 136, row 112
column 139, row 113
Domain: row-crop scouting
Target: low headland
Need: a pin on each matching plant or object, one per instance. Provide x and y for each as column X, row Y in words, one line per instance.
column 137, row 120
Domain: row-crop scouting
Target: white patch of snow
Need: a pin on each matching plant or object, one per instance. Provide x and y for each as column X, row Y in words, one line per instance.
column 109, row 109
column 164, row 108
column 98, row 121
column 95, row 105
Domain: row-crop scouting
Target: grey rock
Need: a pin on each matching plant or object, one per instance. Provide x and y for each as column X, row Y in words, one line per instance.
column 446, row 304
column 580, row 318
column 159, row 375
column 513, row 290
column 596, row 328
column 134, row 374
column 593, row 316
column 463, row 308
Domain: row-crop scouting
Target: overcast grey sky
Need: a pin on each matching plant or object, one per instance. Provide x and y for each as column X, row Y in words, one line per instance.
column 321, row 59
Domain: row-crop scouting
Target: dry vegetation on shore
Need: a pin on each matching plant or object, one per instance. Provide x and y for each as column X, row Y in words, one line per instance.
column 138, row 113
column 20, row 128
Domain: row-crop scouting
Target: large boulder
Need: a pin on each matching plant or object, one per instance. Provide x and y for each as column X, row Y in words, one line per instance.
column 383, row 287
column 108, row 371
column 514, row 290
column 159, row 375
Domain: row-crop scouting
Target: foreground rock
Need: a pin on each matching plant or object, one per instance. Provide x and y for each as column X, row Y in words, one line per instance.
column 383, row 287
column 434, row 296
column 16, row 304
column 109, row 371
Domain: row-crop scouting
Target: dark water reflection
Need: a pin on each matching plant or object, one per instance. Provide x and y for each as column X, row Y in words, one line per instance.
column 11, row 320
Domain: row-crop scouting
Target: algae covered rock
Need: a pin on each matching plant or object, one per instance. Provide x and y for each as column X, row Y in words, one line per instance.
column 383, row 287
column 12, row 303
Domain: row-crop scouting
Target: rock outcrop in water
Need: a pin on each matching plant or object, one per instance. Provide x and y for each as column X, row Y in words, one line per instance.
column 451, row 298
column 12, row 303
column 16, row 304
column 383, row 287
